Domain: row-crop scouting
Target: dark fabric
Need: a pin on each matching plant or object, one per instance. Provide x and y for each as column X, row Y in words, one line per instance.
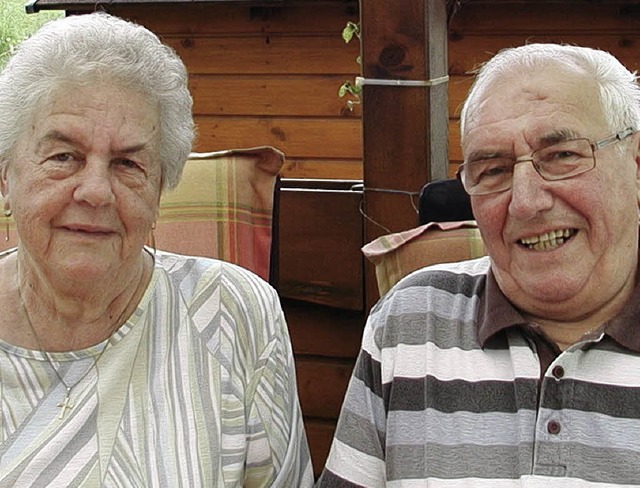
column 444, row 201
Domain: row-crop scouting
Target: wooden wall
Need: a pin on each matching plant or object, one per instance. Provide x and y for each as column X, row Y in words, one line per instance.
column 263, row 75
column 270, row 76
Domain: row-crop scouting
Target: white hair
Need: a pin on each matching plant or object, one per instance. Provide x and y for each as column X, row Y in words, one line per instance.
column 619, row 93
column 82, row 49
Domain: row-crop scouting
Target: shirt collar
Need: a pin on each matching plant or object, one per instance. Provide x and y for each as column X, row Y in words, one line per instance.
column 496, row 313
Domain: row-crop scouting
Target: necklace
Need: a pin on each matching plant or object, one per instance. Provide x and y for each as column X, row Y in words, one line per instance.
column 66, row 403
column 137, row 294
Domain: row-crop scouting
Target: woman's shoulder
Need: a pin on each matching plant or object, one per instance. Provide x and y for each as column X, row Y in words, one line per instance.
column 195, row 275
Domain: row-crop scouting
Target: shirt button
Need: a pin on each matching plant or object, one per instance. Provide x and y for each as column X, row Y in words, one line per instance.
column 553, row 427
column 558, row 372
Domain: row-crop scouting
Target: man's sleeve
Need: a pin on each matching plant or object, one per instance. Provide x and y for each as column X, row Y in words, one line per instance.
column 357, row 456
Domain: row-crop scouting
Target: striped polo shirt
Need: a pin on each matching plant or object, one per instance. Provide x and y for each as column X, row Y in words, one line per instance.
column 448, row 392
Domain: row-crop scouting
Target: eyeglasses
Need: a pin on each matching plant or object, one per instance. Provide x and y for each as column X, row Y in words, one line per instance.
column 557, row 161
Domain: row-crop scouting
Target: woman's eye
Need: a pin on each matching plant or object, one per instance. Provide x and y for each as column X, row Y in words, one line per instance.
column 62, row 157
column 127, row 163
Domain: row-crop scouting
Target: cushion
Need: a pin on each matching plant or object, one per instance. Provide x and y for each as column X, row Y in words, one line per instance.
column 222, row 208
column 396, row 255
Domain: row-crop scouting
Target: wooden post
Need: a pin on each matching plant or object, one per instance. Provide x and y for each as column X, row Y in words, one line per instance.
column 405, row 127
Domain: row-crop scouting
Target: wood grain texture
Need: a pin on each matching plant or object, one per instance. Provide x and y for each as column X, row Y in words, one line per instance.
column 320, row 237
column 296, row 137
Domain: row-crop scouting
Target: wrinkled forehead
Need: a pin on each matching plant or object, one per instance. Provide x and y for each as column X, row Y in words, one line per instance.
column 527, row 98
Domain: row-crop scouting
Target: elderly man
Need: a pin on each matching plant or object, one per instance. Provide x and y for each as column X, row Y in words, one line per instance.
column 521, row 368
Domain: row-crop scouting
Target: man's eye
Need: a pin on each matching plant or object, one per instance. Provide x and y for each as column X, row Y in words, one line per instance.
column 492, row 169
column 560, row 155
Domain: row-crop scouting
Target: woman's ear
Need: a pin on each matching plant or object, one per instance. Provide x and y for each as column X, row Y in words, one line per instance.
column 4, row 184
column 636, row 155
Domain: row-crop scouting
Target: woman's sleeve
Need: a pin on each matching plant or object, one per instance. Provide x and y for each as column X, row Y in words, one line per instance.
column 278, row 453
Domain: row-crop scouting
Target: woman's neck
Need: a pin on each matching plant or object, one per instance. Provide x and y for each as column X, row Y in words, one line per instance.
column 77, row 317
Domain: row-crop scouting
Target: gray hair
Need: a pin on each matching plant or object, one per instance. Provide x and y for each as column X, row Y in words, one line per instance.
column 619, row 92
column 82, row 49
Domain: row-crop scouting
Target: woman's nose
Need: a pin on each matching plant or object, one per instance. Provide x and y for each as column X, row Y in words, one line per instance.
column 94, row 184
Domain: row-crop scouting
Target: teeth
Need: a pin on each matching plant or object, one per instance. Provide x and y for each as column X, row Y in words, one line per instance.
column 550, row 240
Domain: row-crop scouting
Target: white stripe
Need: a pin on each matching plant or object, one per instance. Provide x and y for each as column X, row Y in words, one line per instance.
column 416, row 361
column 588, row 367
column 528, row 481
column 355, row 466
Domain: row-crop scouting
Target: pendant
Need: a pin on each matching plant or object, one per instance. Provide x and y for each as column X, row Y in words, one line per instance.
column 64, row 406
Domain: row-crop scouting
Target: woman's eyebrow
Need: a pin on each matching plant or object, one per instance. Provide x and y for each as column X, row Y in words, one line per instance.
column 54, row 136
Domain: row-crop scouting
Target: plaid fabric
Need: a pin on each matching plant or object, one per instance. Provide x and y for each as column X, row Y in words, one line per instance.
column 396, row 255
column 222, row 208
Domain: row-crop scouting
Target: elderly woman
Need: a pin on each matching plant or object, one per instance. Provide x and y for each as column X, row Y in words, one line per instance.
column 120, row 366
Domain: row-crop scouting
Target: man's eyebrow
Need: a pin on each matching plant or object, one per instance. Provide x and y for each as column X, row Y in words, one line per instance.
column 480, row 155
column 557, row 136
column 545, row 140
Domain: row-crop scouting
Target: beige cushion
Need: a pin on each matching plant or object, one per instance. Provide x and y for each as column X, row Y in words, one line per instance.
column 223, row 207
column 396, row 255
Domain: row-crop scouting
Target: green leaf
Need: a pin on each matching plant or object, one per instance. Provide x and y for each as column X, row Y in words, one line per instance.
column 350, row 30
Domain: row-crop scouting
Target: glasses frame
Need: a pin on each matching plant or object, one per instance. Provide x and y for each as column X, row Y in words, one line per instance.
column 607, row 141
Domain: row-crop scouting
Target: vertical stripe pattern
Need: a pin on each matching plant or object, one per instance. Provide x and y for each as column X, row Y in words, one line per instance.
column 196, row 389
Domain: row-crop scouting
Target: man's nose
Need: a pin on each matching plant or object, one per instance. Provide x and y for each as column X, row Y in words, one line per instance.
column 529, row 191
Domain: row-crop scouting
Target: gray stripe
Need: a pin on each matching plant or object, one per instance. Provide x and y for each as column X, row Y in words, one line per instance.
column 452, row 462
column 432, row 427
column 614, row 401
column 459, row 395
column 361, row 434
column 588, row 463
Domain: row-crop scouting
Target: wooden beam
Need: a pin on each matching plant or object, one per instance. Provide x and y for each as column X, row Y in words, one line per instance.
column 405, row 127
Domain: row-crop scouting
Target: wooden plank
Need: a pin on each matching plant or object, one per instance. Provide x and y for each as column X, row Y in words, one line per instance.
column 320, row 435
column 345, row 169
column 322, row 385
column 468, row 51
column 323, row 331
column 293, row 95
column 269, row 53
column 225, row 18
column 404, row 128
column 320, row 235
column 545, row 18
column 338, row 138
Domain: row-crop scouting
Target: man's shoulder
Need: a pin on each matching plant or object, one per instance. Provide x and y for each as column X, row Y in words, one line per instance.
column 437, row 305
column 464, row 277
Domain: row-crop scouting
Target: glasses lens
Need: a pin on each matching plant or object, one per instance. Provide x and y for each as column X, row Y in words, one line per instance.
column 564, row 159
column 487, row 175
